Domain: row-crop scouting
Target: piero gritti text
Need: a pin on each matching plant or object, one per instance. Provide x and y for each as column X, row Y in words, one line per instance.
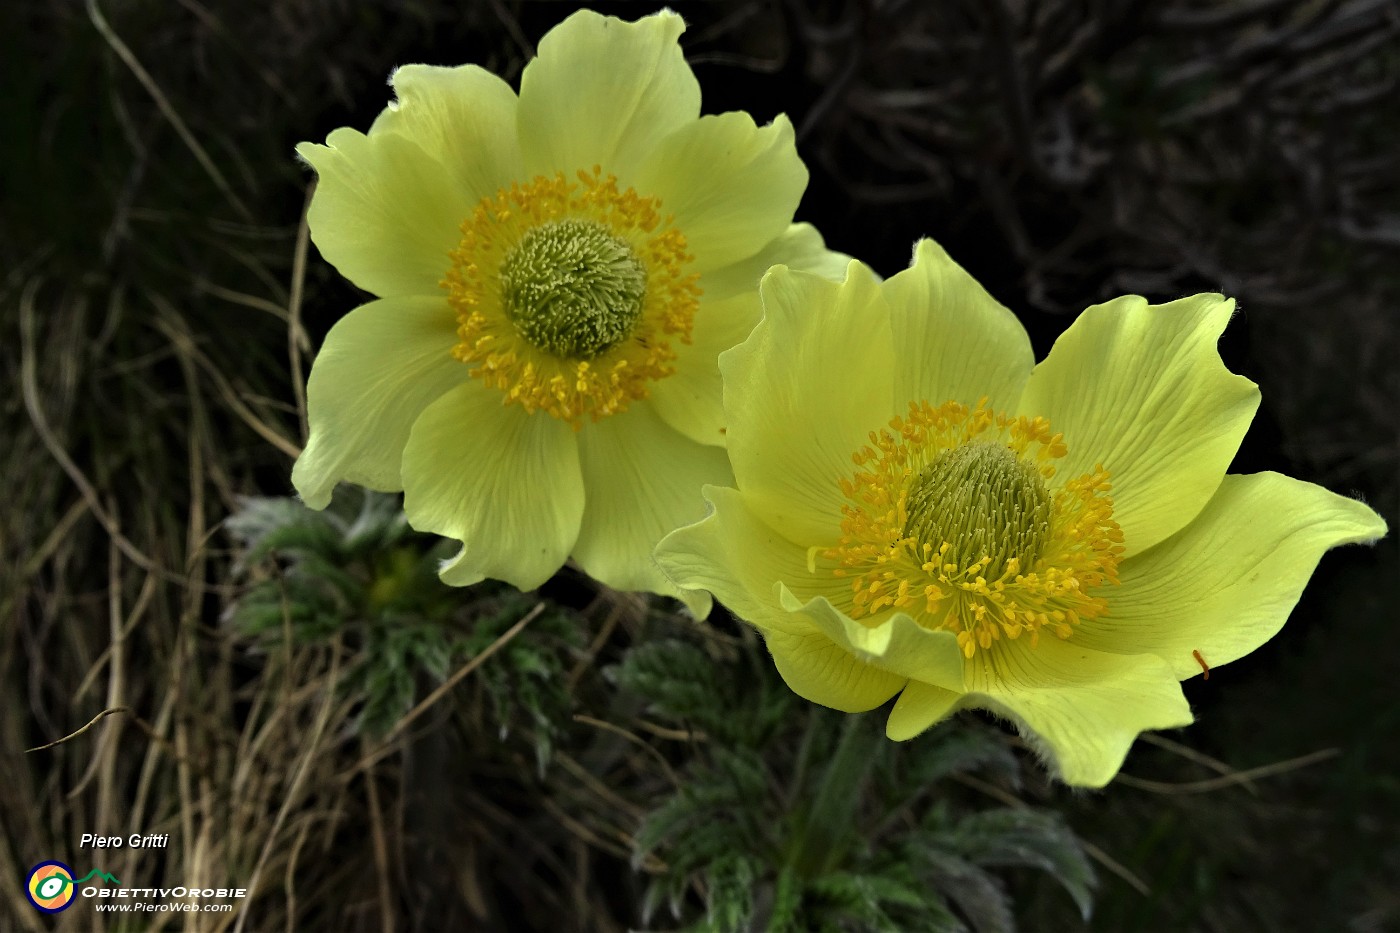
column 134, row 841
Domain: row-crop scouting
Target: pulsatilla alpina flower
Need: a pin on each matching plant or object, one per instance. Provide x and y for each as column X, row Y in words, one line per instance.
column 922, row 510
column 557, row 272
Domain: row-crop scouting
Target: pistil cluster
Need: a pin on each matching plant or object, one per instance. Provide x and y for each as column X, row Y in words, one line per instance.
column 568, row 293
column 573, row 289
column 955, row 515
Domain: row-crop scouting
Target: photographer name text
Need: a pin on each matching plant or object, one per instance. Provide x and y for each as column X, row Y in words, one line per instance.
column 134, row 841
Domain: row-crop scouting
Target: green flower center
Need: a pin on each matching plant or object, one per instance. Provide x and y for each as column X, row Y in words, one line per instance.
column 573, row 289
column 987, row 504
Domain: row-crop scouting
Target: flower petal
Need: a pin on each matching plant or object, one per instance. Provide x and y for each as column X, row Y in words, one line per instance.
column 692, row 399
column 1141, row 389
column 1078, row 708
column 739, row 559
column 385, row 213
column 641, row 481
column 731, row 185
column 798, row 247
column 380, row 366
column 734, row 555
column 603, row 92
column 504, row 483
column 465, row 118
column 920, row 706
column 896, row 643
column 818, row 669
column 1226, row 583
column 803, row 393
column 958, row 342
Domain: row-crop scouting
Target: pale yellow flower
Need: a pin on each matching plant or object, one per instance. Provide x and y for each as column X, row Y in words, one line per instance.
column 921, row 510
column 557, row 272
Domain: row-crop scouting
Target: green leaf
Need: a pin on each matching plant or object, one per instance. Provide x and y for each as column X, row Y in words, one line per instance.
column 977, row 895
column 1029, row 838
column 731, row 881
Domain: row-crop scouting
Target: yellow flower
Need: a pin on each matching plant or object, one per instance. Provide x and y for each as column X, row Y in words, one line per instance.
column 557, row 272
column 922, row 510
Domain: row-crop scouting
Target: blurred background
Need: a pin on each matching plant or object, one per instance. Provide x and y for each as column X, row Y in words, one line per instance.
column 269, row 677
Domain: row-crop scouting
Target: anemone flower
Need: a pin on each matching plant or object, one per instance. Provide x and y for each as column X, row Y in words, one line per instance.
column 923, row 510
column 556, row 273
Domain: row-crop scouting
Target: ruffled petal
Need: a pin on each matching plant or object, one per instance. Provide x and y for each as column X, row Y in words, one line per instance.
column 504, row 483
column 956, row 342
column 731, row 185
column 920, row 706
column 380, row 366
column 740, row 559
column 604, row 92
column 1226, row 583
column 1141, row 389
column 803, row 393
column 1080, row 709
column 895, row 643
column 385, row 213
column 734, row 555
column 641, row 481
column 692, row 399
column 464, row 118
column 818, row 669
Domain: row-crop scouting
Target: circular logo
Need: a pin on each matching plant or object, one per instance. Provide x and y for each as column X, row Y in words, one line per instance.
column 50, row 887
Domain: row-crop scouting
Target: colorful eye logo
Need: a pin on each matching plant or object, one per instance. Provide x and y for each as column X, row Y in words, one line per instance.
column 50, row 887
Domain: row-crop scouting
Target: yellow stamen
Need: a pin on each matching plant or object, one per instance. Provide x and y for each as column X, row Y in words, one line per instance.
column 951, row 518
column 568, row 294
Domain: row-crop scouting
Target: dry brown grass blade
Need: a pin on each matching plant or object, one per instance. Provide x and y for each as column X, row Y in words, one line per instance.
column 128, row 58
column 10, row 888
column 466, row 669
column 382, row 871
column 585, row 833
column 103, row 763
column 1094, row 852
column 73, row 735
column 675, row 735
column 387, row 745
column 30, row 390
column 298, row 343
column 240, row 298
column 56, row 537
column 635, row 739
column 184, row 344
column 605, row 631
column 590, row 781
column 1191, row 754
column 1237, row 778
column 311, row 749
column 143, row 602
column 289, row 875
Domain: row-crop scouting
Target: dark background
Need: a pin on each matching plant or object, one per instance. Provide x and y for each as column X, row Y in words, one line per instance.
column 1063, row 152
